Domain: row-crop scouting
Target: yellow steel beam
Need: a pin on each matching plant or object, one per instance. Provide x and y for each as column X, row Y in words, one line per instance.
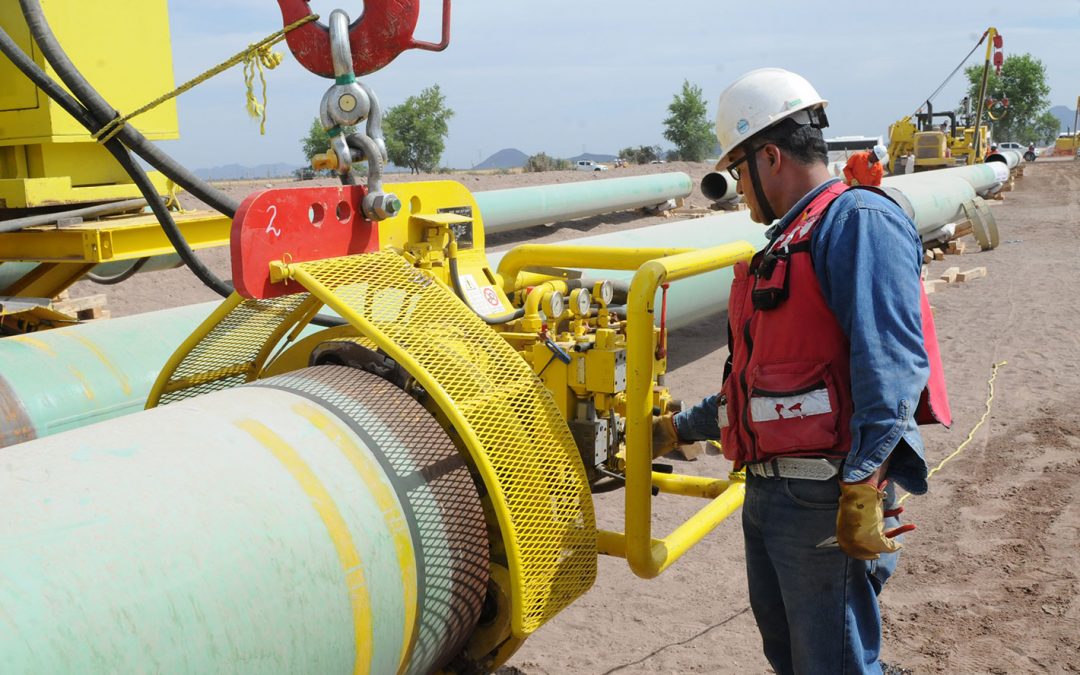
column 125, row 238
column 48, row 280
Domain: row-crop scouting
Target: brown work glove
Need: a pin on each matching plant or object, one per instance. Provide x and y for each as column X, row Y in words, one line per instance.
column 860, row 526
column 664, row 436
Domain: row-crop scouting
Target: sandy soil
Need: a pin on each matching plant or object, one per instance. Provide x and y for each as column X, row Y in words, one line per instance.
column 986, row 584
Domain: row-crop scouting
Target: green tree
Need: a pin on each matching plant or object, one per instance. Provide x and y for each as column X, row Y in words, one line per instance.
column 1045, row 129
column 642, row 154
column 1023, row 82
column 688, row 126
column 542, row 161
column 416, row 130
column 317, row 141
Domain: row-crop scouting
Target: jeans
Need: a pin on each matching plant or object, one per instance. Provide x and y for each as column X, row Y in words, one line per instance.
column 816, row 608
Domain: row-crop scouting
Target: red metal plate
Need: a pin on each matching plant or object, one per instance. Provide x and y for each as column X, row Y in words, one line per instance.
column 296, row 225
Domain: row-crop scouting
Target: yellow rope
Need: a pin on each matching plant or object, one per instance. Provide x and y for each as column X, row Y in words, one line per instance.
column 255, row 57
column 971, row 434
column 172, row 202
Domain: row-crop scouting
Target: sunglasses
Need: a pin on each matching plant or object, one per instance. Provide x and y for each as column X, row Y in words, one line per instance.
column 734, row 169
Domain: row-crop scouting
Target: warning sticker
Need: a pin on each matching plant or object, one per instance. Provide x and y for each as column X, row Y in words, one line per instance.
column 483, row 299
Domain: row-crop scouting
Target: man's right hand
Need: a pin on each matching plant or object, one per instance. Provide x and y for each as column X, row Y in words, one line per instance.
column 860, row 526
column 665, row 437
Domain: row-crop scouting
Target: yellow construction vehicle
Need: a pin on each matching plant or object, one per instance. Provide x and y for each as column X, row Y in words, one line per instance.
column 934, row 145
column 919, row 139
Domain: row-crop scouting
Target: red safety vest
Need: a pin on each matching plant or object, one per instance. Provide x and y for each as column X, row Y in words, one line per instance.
column 787, row 383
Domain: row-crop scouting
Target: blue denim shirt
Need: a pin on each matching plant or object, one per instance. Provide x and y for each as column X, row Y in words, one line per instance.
column 867, row 257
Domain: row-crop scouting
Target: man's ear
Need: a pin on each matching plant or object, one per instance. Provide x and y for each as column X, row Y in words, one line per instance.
column 773, row 156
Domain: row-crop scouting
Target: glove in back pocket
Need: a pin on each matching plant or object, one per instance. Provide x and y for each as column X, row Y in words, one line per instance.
column 793, row 406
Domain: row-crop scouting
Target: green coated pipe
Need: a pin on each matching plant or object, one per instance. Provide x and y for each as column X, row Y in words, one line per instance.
column 935, row 197
column 66, row 378
column 935, row 200
column 517, row 208
column 320, row 522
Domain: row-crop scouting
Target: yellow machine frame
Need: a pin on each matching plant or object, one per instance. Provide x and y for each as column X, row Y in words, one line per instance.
column 433, row 335
column 46, row 156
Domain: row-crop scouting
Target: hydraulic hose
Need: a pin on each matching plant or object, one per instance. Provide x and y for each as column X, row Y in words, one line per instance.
column 491, row 321
column 122, row 276
column 103, row 113
column 120, row 153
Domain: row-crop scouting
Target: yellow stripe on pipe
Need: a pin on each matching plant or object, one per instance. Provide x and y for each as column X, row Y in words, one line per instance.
column 338, row 531
column 387, row 502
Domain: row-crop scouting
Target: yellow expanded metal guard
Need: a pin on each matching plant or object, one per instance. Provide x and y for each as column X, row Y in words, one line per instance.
column 507, row 419
column 229, row 348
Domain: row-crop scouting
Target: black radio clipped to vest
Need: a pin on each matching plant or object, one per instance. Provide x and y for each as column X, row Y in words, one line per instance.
column 770, row 281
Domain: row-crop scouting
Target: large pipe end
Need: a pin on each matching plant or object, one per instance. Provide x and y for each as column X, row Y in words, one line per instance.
column 719, row 186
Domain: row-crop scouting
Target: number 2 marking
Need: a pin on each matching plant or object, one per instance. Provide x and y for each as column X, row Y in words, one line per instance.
column 272, row 210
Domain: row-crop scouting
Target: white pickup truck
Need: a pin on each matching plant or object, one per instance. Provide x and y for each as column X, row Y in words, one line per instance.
column 589, row 165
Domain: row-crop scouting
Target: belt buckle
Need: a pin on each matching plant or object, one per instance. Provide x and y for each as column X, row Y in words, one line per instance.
column 809, row 468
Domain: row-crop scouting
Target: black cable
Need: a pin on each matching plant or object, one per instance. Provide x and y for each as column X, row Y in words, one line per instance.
column 955, row 70
column 120, row 153
column 117, row 278
column 688, row 640
column 103, row 113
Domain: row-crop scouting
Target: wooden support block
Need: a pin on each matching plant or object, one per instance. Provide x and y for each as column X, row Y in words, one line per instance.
column 927, row 256
column 92, row 313
column 973, row 273
column 956, row 247
column 939, row 254
column 949, row 275
column 924, row 272
column 935, row 285
column 76, row 305
column 963, row 230
column 688, row 452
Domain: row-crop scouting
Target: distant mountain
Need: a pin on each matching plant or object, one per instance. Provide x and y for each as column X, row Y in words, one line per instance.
column 1065, row 115
column 594, row 157
column 507, row 158
column 238, row 171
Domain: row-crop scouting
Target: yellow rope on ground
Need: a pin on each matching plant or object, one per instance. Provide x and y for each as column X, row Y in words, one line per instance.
column 971, row 434
column 255, row 57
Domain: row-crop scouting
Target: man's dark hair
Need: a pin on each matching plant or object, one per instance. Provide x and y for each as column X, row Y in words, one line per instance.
column 802, row 142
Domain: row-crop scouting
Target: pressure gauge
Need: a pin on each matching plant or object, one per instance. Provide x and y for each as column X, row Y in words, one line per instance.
column 554, row 305
column 605, row 290
column 580, row 301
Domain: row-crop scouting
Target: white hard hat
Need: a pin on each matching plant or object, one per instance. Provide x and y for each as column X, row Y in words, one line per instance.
column 758, row 100
column 882, row 152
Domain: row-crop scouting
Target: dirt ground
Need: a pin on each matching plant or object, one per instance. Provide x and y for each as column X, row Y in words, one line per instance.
column 988, row 582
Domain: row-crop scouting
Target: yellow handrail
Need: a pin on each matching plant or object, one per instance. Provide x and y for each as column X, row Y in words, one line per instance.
column 597, row 257
column 649, row 557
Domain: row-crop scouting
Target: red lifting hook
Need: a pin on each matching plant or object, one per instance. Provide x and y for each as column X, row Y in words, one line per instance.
column 382, row 32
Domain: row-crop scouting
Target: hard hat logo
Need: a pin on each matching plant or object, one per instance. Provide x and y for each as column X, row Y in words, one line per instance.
column 793, row 102
column 743, row 126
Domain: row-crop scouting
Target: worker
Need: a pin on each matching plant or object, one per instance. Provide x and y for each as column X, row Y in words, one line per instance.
column 833, row 360
column 866, row 167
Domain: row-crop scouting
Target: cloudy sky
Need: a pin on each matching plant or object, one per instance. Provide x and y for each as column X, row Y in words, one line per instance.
column 566, row 76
